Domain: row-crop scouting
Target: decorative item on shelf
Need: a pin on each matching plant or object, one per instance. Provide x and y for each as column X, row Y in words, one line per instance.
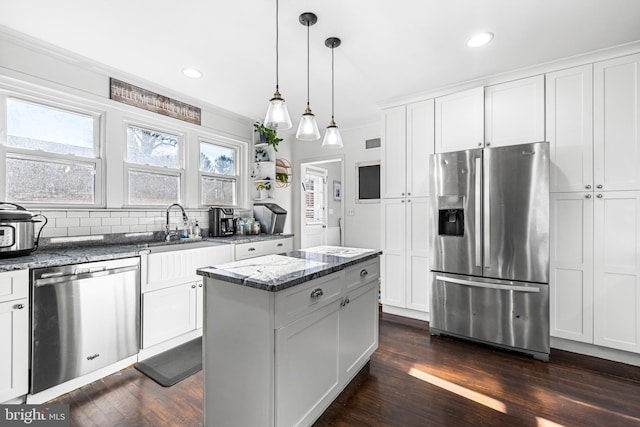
column 277, row 116
column 264, row 187
column 308, row 127
column 283, row 173
column 332, row 138
column 261, row 155
column 267, row 136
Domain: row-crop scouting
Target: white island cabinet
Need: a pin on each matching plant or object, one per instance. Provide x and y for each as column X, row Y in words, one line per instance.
column 285, row 334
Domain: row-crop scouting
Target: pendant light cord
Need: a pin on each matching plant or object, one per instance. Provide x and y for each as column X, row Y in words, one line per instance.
column 332, row 85
column 277, row 56
column 308, row 64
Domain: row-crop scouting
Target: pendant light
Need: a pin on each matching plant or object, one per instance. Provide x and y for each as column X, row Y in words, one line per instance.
column 277, row 117
column 332, row 138
column 308, row 127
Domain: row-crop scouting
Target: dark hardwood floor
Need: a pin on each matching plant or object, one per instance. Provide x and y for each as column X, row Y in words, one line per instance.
column 414, row 380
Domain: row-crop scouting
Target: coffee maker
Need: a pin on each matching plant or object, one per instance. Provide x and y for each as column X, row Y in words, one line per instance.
column 221, row 222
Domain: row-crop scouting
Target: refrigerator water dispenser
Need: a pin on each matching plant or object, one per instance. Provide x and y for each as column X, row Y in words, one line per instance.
column 451, row 222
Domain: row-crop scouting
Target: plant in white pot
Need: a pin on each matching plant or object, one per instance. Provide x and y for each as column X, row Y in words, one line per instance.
column 264, row 187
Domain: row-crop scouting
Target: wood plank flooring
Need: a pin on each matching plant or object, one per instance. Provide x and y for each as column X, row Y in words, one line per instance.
column 414, row 380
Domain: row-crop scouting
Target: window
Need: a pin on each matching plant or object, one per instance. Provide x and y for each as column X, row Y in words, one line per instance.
column 52, row 155
column 154, row 167
column 314, row 193
column 219, row 173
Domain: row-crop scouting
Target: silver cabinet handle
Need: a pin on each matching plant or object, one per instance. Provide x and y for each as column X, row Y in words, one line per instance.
column 199, row 285
column 280, row 245
column 479, row 144
column 345, row 302
column 19, row 306
column 193, row 286
column 408, row 200
column 487, row 143
column 402, row 194
column 587, row 196
column 588, row 186
column 599, row 186
column 251, row 249
column 408, row 194
column 401, row 201
column 363, row 273
column 316, row 293
column 599, row 196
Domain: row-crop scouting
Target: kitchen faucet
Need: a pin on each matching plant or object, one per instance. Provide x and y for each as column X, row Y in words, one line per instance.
column 168, row 233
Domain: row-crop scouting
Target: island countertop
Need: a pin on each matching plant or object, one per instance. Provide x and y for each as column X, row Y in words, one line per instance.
column 274, row 273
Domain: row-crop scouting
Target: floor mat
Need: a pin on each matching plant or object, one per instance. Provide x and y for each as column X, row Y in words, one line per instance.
column 172, row 366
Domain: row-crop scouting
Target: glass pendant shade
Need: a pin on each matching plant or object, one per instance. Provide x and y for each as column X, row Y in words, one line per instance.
column 308, row 127
column 277, row 117
column 332, row 138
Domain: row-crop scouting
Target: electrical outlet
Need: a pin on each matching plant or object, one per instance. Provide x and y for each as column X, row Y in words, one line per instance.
column 330, row 211
column 351, row 212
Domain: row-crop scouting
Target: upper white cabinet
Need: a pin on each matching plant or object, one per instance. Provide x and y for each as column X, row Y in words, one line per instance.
column 569, row 100
column 514, row 112
column 407, row 143
column 617, row 123
column 459, row 121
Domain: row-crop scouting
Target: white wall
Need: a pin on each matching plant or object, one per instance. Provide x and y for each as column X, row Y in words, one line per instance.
column 362, row 229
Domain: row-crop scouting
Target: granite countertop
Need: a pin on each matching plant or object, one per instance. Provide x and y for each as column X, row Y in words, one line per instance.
column 75, row 253
column 274, row 273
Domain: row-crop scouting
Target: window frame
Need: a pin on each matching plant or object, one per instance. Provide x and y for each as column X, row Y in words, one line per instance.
column 241, row 170
column 64, row 105
column 127, row 167
column 321, row 174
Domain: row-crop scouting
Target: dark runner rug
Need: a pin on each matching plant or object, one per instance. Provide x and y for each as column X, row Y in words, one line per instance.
column 172, row 366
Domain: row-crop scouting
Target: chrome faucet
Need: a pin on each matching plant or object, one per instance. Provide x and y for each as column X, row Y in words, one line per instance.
column 168, row 233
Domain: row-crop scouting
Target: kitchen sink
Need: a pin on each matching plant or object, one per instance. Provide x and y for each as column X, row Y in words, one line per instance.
column 159, row 247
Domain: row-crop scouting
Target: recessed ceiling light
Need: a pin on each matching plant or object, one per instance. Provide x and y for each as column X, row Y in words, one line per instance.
column 479, row 39
column 192, row 73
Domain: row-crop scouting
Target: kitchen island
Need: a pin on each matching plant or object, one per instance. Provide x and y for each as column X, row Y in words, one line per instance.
column 285, row 334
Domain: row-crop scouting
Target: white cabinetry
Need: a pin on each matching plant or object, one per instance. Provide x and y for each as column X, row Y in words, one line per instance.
column 306, row 343
column 617, row 124
column 264, row 247
column 514, row 112
column 405, row 254
column 459, row 121
column 569, row 101
column 172, row 300
column 14, row 330
column 408, row 142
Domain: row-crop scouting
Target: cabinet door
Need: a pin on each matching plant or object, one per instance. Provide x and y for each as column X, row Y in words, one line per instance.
column 617, row 270
column 393, row 166
column 460, row 121
column 14, row 352
column 358, row 329
column 514, row 112
column 569, row 103
column 168, row 313
column 417, row 254
column 420, row 144
column 393, row 251
column 307, row 366
column 571, row 266
column 617, row 124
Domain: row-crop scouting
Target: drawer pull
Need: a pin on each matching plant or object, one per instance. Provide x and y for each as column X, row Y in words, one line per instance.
column 251, row 249
column 280, row 245
column 316, row 293
column 364, row 273
column 199, row 285
column 193, row 286
column 345, row 302
column 20, row 306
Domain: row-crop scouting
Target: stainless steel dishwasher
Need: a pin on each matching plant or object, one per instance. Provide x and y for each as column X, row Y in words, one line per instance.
column 84, row 317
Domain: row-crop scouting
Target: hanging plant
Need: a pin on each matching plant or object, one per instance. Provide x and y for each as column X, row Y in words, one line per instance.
column 267, row 135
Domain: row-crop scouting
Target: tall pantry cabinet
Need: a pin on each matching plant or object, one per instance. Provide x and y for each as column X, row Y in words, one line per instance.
column 408, row 140
column 593, row 124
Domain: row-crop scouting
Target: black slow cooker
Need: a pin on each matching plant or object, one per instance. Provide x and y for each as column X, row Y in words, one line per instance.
column 17, row 230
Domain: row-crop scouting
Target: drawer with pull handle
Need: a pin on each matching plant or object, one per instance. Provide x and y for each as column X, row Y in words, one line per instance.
column 300, row 300
column 264, row 247
column 362, row 273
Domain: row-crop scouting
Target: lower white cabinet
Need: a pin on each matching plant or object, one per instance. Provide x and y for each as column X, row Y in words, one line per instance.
column 264, row 247
column 595, row 268
column 14, row 330
column 405, row 253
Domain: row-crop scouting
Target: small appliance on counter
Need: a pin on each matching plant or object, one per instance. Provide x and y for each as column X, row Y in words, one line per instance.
column 221, row 222
column 271, row 217
column 17, row 230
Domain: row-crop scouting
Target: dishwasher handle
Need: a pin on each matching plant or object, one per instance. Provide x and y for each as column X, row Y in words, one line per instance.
column 531, row 289
column 87, row 275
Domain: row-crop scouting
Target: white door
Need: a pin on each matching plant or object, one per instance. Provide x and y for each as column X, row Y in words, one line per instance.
column 617, row 270
column 314, row 206
column 460, row 121
column 420, row 144
column 417, row 255
column 571, row 266
column 570, row 128
column 393, row 252
column 392, row 172
column 14, row 352
column 168, row 313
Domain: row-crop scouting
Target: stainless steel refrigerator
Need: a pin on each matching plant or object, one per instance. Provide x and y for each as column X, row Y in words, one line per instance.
column 490, row 246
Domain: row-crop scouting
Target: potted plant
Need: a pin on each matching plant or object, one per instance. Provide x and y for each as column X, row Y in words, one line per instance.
column 267, row 135
column 264, row 186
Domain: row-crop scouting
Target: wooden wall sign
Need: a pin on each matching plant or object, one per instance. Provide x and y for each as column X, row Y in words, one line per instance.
column 145, row 99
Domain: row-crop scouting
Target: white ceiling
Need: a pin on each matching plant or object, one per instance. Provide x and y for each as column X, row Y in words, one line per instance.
column 389, row 49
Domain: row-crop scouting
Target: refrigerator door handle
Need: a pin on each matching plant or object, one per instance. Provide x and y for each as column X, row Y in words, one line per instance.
column 478, row 205
column 486, row 212
column 531, row 289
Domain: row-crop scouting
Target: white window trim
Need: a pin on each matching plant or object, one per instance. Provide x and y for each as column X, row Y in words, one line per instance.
column 22, row 153
column 241, row 172
column 322, row 174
